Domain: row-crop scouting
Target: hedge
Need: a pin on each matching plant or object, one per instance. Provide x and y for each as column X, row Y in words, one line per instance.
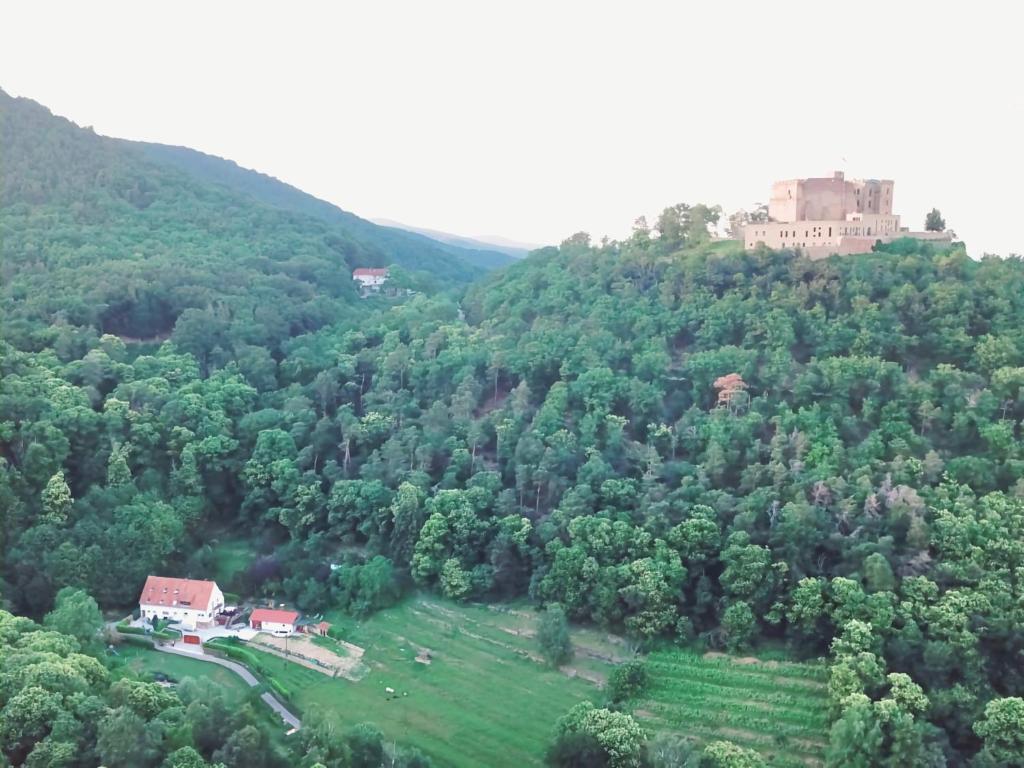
column 279, row 689
column 236, row 653
column 128, row 629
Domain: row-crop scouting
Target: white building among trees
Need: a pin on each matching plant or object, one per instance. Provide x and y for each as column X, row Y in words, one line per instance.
column 370, row 279
column 191, row 602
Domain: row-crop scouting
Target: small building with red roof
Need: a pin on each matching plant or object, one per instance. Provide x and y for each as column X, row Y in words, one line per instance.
column 191, row 602
column 273, row 620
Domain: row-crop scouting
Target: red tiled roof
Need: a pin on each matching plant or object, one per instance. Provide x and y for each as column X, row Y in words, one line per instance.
column 368, row 272
column 184, row 593
column 274, row 616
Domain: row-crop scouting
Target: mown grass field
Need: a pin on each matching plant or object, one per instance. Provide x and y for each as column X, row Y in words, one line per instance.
column 486, row 699
column 778, row 708
column 231, row 557
column 482, row 700
column 141, row 661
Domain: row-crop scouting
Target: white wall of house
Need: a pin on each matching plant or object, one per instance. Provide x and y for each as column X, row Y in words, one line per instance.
column 371, row 281
column 276, row 626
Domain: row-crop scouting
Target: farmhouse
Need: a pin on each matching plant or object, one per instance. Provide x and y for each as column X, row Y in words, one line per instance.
column 190, row 602
column 370, row 279
column 270, row 620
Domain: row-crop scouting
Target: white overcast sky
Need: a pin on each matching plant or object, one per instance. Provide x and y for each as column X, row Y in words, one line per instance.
column 536, row 120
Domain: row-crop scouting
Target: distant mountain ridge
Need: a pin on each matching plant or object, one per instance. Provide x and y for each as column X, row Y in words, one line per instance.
column 401, row 241
column 104, row 235
column 513, row 248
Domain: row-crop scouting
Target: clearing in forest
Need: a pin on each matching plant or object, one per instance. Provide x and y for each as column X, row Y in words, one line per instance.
column 779, row 708
column 467, row 685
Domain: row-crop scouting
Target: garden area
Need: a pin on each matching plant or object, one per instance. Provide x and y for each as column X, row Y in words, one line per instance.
column 779, row 708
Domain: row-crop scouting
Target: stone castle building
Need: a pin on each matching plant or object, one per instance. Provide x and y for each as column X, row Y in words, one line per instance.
column 824, row 216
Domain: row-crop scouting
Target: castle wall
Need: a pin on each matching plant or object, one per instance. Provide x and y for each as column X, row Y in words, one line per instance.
column 828, row 198
column 814, row 234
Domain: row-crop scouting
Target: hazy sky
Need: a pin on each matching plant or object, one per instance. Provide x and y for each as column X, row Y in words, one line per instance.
column 536, row 120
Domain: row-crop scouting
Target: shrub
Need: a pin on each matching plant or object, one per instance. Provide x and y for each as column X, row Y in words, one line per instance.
column 739, row 624
column 628, row 681
column 553, row 636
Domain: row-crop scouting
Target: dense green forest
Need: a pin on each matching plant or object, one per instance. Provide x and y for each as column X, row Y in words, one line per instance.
column 666, row 436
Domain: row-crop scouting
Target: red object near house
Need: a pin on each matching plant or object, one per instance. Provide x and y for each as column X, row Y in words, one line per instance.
column 192, row 640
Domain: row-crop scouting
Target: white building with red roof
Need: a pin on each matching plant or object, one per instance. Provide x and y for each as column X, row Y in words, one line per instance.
column 191, row 602
column 370, row 279
column 272, row 620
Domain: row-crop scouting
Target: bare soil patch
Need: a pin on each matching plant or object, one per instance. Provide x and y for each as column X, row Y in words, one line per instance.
column 592, row 677
column 303, row 651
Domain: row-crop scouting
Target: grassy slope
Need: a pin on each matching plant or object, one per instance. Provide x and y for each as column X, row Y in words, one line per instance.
column 142, row 662
column 231, row 558
column 485, row 698
column 481, row 701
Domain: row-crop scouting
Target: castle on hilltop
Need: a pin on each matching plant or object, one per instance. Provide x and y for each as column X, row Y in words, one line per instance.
column 833, row 215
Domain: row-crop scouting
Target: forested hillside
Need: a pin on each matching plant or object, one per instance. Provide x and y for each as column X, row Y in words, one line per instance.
column 103, row 236
column 408, row 248
column 670, row 438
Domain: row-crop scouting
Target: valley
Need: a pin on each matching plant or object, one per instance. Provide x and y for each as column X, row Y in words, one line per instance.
column 668, row 500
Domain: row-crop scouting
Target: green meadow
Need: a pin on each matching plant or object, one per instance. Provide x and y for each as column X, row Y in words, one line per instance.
column 484, row 698
column 144, row 662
